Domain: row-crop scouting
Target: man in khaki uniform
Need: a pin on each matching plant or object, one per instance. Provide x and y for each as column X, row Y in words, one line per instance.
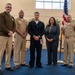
column 69, row 34
column 7, row 27
column 20, row 40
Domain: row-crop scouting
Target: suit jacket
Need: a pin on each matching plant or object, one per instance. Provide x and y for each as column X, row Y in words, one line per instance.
column 36, row 29
column 53, row 33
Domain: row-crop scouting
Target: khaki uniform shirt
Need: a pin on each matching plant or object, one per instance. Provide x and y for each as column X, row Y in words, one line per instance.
column 69, row 29
column 21, row 25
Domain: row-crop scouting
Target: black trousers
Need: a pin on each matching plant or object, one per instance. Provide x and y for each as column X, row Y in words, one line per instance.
column 35, row 46
column 52, row 51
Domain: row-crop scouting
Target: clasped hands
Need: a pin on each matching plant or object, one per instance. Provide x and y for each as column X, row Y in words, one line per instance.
column 23, row 36
column 49, row 40
column 36, row 38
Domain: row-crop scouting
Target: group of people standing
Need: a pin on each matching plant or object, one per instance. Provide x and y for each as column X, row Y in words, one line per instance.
column 36, row 29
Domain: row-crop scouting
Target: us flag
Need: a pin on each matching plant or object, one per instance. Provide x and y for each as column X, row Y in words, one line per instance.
column 65, row 14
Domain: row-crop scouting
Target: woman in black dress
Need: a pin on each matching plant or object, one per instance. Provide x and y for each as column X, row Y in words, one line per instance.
column 52, row 32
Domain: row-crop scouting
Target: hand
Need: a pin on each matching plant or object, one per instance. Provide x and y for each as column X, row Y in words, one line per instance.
column 10, row 33
column 36, row 38
column 49, row 40
column 24, row 36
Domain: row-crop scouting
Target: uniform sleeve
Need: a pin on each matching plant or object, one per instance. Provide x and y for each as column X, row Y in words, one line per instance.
column 73, row 24
column 30, row 29
column 14, row 25
column 2, row 25
column 42, row 30
column 16, row 22
column 57, row 34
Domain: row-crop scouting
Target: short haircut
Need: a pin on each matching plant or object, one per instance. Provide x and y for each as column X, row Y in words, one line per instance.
column 21, row 11
column 36, row 13
column 8, row 4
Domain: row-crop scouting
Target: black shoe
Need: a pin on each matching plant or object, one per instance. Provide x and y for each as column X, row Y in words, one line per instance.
column 49, row 64
column 30, row 66
column 71, row 66
column 55, row 64
column 0, row 72
column 64, row 65
column 24, row 65
column 39, row 66
column 9, row 69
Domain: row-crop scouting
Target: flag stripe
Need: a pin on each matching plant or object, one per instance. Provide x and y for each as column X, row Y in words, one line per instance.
column 65, row 14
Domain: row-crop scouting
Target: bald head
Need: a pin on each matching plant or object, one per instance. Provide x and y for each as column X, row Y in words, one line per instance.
column 21, row 13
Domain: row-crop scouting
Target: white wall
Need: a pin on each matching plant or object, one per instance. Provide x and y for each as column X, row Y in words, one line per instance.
column 29, row 8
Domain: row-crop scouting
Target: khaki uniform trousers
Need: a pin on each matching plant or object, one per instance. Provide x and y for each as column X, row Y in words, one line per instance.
column 5, row 44
column 19, row 50
column 69, row 50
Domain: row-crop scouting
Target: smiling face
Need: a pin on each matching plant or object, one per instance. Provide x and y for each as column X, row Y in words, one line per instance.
column 51, row 21
column 8, row 7
column 21, row 14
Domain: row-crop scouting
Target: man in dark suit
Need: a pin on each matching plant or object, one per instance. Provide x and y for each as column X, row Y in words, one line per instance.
column 36, row 31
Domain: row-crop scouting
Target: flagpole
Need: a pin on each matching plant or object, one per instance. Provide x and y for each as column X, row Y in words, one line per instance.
column 60, row 61
column 63, row 23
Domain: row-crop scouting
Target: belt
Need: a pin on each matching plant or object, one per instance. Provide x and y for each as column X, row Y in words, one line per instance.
column 69, row 37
